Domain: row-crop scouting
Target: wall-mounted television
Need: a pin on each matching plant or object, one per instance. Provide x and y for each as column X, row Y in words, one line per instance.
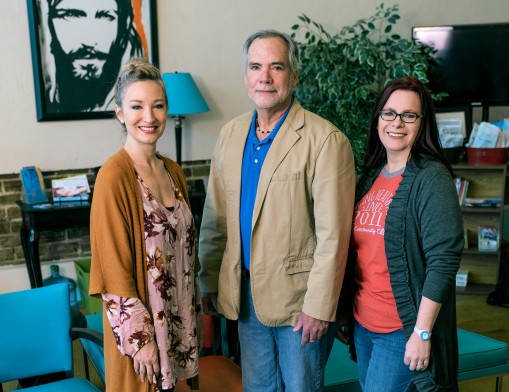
column 470, row 62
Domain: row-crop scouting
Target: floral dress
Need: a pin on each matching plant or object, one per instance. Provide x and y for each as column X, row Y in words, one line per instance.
column 173, row 291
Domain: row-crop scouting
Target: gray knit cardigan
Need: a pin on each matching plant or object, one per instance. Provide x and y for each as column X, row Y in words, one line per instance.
column 423, row 243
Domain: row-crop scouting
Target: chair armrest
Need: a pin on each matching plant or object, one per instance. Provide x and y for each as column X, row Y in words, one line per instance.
column 88, row 334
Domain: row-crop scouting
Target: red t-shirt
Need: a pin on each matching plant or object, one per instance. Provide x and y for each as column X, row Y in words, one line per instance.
column 374, row 304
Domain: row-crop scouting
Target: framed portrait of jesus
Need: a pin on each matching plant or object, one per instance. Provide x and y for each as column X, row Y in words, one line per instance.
column 78, row 48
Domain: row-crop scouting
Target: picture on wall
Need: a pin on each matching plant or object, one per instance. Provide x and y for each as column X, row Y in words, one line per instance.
column 78, row 48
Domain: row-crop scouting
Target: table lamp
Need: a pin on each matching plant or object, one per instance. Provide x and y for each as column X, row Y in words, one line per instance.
column 184, row 98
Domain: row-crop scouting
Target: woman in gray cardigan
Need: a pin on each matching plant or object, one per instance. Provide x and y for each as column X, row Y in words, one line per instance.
column 406, row 247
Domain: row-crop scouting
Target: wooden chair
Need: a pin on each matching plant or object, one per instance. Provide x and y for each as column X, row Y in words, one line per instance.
column 218, row 373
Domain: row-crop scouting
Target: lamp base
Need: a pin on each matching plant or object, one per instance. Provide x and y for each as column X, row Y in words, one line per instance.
column 178, row 138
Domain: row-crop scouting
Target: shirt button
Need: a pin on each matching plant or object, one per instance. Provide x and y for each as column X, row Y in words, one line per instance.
column 256, row 160
column 257, row 148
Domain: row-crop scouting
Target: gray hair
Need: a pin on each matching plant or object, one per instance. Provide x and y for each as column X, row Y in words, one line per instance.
column 136, row 70
column 293, row 50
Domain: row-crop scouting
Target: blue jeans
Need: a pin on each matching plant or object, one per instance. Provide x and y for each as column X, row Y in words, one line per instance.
column 380, row 361
column 273, row 359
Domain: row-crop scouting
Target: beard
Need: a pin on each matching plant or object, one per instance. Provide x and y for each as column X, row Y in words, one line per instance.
column 83, row 78
column 87, row 63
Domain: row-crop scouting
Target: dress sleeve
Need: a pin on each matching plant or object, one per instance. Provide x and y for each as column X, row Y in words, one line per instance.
column 130, row 322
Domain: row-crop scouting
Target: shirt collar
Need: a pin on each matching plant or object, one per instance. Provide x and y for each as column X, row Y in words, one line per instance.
column 272, row 135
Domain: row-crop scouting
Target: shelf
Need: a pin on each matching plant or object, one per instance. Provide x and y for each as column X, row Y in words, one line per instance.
column 484, row 182
column 482, row 210
column 475, row 289
column 477, row 252
column 466, row 166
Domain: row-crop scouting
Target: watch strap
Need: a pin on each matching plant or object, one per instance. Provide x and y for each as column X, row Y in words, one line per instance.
column 422, row 333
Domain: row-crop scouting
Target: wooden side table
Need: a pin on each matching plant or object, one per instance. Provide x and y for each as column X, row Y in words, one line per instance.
column 46, row 217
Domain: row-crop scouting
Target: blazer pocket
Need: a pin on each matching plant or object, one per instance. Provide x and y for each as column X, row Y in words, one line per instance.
column 283, row 177
column 295, row 266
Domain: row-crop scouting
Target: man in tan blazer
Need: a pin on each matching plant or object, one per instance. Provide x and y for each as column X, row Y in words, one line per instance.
column 276, row 225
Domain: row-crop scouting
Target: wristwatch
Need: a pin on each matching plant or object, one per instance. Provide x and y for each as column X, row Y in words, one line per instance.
column 422, row 333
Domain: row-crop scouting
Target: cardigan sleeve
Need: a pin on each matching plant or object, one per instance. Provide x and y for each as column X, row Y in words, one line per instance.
column 442, row 235
column 114, row 225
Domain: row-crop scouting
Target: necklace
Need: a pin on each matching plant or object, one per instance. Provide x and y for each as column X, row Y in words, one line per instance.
column 259, row 130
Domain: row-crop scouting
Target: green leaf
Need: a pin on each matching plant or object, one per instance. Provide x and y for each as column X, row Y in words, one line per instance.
column 343, row 72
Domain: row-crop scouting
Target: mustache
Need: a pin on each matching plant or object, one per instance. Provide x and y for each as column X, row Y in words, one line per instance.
column 87, row 52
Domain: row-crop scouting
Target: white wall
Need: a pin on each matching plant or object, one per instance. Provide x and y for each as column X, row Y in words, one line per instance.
column 201, row 37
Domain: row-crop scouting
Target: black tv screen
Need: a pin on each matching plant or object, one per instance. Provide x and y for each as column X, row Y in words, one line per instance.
column 471, row 62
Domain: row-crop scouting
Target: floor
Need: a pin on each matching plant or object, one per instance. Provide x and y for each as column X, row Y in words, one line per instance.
column 473, row 315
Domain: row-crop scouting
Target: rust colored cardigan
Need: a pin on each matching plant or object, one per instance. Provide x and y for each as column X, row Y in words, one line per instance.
column 118, row 252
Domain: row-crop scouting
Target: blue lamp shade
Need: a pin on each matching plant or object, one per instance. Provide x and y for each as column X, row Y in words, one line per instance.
column 184, row 97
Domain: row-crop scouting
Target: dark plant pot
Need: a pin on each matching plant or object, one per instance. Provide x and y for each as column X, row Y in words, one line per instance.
column 453, row 154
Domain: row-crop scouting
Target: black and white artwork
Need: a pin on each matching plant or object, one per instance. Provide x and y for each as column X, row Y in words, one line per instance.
column 78, row 48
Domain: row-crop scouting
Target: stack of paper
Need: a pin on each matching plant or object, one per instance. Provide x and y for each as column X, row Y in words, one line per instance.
column 70, row 188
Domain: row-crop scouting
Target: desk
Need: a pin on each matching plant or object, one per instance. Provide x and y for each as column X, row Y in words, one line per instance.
column 45, row 217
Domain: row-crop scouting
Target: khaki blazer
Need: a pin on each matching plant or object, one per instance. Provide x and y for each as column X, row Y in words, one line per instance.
column 301, row 220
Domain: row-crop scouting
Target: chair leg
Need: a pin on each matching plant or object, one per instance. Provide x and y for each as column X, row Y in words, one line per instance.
column 85, row 364
column 498, row 384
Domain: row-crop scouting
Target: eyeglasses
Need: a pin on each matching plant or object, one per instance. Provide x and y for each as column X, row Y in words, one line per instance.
column 406, row 117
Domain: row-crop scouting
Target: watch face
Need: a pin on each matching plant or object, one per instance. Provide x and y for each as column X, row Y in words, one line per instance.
column 424, row 335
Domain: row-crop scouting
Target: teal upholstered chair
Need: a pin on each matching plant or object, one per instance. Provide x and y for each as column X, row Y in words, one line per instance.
column 35, row 338
column 341, row 371
column 92, row 350
column 479, row 356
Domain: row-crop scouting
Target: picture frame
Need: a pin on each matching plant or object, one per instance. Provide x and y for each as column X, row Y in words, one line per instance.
column 463, row 113
column 77, row 53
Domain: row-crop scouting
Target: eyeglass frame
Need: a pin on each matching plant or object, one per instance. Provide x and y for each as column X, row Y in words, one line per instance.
column 418, row 116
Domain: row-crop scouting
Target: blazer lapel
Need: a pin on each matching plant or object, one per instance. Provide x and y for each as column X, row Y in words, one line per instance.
column 285, row 139
column 232, row 164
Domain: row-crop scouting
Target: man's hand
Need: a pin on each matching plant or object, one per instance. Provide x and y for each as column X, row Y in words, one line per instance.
column 146, row 363
column 209, row 303
column 312, row 329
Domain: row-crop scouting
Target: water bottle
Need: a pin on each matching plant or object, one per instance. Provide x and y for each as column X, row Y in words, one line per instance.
column 57, row 278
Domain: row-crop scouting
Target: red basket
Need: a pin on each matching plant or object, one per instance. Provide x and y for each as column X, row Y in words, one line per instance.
column 487, row 156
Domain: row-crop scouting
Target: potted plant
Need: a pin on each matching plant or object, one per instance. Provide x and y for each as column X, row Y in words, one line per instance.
column 342, row 74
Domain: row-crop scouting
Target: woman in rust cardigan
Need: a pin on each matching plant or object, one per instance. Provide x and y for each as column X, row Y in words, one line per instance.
column 144, row 261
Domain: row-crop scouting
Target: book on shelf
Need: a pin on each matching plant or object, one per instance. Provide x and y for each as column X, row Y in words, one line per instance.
column 74, row 188
column 32, row 181
column 482, row 202
column 462, row 278
column 488, row 238
column 461, row 188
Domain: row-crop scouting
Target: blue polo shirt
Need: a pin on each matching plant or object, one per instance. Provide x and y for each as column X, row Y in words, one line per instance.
column 252, row 161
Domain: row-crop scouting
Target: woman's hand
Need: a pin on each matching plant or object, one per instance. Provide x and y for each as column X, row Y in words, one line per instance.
column 417, row 353
column 146, row 363
column 342, row 329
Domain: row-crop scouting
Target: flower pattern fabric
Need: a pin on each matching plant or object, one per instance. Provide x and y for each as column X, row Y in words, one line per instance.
column 174, row 297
